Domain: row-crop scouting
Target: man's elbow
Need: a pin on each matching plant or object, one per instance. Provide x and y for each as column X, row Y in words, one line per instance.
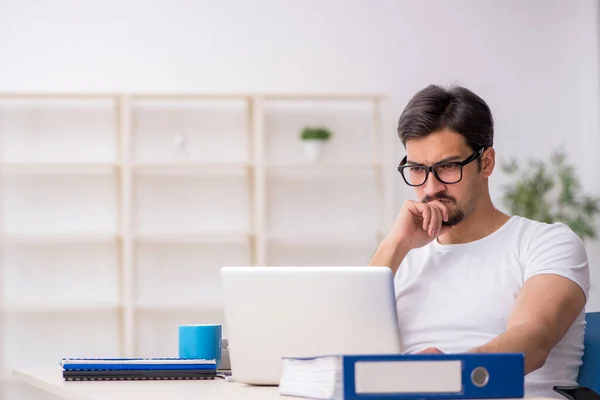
column 540, row 349
column 540, row 345
column 536, row 358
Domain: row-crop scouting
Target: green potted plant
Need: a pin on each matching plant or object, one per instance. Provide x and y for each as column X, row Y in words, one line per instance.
column 314, row 139
column 551, row 192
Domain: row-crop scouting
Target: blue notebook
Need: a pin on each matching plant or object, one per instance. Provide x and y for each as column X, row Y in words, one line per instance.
column 136, row 364
column 404, row 377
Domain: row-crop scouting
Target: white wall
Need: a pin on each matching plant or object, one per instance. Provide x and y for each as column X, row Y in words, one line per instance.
column 535, row 62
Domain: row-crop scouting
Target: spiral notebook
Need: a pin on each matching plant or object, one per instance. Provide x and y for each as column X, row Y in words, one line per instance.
column 85, row 369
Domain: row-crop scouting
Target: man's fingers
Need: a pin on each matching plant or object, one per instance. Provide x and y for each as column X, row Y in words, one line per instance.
column 426, row 213
column 443, row 208
column 433, row 214
column 436, row 221
column 445, row 211
column 441, row 222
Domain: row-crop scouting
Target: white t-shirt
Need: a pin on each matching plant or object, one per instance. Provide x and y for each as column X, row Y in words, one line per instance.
column 457, row 297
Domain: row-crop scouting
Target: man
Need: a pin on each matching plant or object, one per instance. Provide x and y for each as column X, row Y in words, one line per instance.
column 468, row 277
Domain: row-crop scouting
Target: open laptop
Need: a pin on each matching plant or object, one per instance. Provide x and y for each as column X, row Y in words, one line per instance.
column 275, row 312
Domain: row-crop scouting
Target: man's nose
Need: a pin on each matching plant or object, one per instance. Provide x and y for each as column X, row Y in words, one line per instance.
column 433, row 186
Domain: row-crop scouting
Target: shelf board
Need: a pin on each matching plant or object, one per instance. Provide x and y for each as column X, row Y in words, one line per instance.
column 325, row 239
column 322, row 168
column 138, row 97
column 324, row 96
column 57, row 238
column 168, row 168
column 53, row 168
column 323, row 165
column 64, row 307
column 58, row 96
column 195, row 95
column 192, row 237
column 177, row 307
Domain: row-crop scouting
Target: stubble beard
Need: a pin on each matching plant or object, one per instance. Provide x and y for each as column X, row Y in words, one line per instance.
column 456, row 216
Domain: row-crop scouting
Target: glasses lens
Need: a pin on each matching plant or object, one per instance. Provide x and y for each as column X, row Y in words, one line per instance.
column 449, row 173
column 415, row 175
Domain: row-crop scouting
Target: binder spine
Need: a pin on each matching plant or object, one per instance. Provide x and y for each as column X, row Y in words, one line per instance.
column 483, row 376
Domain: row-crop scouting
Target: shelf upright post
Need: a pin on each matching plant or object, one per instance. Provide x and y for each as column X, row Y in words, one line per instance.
column 388, row 137
column 3, row 325
column 125, row 211
column 380, row 166
column 258, row 181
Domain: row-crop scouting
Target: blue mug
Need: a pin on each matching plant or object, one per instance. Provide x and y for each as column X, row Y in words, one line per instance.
column 200, row 341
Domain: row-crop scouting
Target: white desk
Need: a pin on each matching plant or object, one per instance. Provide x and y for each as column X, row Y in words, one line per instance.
column 51, row 380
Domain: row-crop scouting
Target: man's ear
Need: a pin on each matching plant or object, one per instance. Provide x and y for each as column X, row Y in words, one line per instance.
column 488, row 162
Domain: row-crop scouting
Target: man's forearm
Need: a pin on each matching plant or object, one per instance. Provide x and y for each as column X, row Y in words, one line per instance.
column 390, row 253
column 525, row 338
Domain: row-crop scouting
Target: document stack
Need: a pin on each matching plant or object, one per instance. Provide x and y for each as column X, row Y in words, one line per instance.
column 101, row 369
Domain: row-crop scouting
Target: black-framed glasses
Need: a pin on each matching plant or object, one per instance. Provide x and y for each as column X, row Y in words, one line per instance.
column 445, row 172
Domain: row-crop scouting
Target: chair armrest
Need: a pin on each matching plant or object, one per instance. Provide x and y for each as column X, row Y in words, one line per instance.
column 577, row 392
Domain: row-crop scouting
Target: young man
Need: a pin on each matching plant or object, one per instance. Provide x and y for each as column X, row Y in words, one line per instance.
column 468, row 277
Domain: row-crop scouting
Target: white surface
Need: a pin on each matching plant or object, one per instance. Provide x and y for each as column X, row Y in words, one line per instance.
column 50, row 380
column 274, row 312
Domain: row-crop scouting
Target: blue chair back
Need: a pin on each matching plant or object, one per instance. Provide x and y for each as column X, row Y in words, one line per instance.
column 589, row 372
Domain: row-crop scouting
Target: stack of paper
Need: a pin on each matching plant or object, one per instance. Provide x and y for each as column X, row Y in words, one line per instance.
column 316, row 378
column 137, row 368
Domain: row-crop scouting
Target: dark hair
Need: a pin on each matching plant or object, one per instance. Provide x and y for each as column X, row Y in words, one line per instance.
column 456, row 108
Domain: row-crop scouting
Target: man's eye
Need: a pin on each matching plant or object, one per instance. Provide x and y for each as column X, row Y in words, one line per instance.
column 448, row 166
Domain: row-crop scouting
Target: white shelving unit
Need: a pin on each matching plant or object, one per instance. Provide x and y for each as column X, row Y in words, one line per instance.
column 117, row 210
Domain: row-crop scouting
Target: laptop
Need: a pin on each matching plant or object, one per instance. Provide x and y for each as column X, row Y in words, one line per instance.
column 275, row 312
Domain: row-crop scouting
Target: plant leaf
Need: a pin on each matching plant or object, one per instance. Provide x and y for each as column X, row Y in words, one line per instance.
column 551, row 192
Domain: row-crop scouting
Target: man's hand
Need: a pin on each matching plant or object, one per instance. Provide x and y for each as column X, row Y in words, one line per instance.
column 417, row 224
column 431, row 350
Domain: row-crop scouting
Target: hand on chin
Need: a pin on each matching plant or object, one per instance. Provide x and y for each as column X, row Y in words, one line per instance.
column 431, row 350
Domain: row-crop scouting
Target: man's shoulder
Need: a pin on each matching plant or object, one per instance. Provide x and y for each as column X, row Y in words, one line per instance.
column 534, row 232
column 556, row 249
column 536, row 241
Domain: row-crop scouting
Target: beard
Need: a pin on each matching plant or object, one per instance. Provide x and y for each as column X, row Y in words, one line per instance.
column 456, row 215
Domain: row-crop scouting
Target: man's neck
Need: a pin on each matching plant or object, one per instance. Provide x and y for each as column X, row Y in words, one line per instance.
column 485, row 220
